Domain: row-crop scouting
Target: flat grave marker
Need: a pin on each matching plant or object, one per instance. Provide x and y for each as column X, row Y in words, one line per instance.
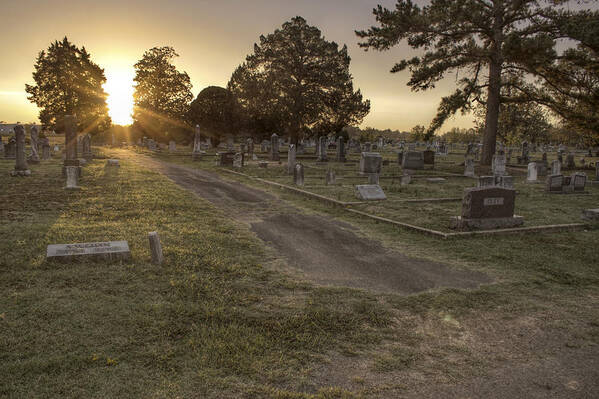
column 105, row 251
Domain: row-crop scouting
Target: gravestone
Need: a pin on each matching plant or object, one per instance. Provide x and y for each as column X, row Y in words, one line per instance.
column 155, row 248
column 298, row 174
column 263, row 165
column 486, row 181
column 505, row 181
column 72, row 173
column 405, row 179
column 469, row 167
column 531, row 177
column 21, row 167
column 113, row 163
column 373, row 178
column 509, row 156
column 436, row 180
column 172, row 146
column 541, row 168
column 400, row 158
column 10, row 150
column 70, row 138
column 371, row 162
column 238, row 160
column 197, row 152
column 225, row 158
column 274, row 147
column 579, row 181
column 370, row 192
column 413, row 160
column 250, row 147
column 87, row 148
column 34, row 158
column 1, row 146
column 554, row 183
column 556, row 167
column 428, row 157
column 103, row 251
column 591, row 215
column 152, row 145
column 499, row 164
column 487, row 208
column 45, row 143
column 340, row 155
column 570, row 164
column 597, row 171
column 330, row 178
column 291, row 157
column 322, row 149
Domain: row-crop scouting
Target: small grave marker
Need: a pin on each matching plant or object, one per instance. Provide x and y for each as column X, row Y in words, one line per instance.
column 106, row 251
column 370, row 192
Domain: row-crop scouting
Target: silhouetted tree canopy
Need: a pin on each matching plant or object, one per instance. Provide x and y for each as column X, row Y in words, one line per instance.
column 296, row 81
column 162, row 96
column 493, row 44
column 217, row 112
column 68, row 82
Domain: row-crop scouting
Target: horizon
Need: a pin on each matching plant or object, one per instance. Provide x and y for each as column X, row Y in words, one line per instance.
column 228, row 37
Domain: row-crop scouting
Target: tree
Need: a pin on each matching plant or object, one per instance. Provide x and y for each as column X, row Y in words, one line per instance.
column 162, row 96
column 216, row 111
column 296, row 81
column 418, row 133
column 510, row 39
column 68, row 82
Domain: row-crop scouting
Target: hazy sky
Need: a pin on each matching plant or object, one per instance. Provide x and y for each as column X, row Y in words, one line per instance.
column 211, row 37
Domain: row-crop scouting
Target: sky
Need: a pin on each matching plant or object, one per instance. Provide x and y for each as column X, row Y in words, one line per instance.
column 212, row 39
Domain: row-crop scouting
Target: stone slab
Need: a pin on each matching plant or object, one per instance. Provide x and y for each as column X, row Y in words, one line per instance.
column 436, row 180
column 591, row 215
column 109, row 251
column 460, row 223
column 370, row 192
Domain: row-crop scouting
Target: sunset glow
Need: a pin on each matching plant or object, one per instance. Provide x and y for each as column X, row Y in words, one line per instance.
column 119, row 86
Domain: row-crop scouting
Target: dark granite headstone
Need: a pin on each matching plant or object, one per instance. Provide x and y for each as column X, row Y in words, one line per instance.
column 428, row 157
column 488, row 202
column 225, row 158
column 413, row 160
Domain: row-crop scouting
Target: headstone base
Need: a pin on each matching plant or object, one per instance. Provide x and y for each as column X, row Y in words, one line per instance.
column 460, row 223
column 73, row 188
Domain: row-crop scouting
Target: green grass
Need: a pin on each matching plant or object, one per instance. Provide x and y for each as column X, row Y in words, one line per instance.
column 213, row 321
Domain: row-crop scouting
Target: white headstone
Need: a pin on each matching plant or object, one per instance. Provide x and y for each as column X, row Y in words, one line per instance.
column 532, row 172
column 110, row 250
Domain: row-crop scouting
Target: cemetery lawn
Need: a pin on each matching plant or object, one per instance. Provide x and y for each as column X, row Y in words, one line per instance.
column 217, row 319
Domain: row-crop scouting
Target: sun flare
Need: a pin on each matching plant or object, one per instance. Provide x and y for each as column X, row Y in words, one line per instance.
column 119, row 86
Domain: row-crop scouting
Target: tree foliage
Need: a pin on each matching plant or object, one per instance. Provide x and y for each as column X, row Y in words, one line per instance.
column 217, row 112
column 491, row 43
column 162, row 95
column 295, row 82
column 68, row 82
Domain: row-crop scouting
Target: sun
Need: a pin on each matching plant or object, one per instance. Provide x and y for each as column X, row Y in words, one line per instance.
column 119, row 87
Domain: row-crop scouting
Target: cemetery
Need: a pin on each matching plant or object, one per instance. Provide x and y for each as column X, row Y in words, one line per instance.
column 282, row 235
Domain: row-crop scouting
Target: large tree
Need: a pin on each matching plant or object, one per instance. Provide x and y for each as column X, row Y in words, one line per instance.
column 68, row 82
column 162, row 95
column 296, row 81
column 491, row 43
column 216, row 111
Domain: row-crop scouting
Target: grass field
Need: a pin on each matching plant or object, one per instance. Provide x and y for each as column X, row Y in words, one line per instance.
column 216, row 321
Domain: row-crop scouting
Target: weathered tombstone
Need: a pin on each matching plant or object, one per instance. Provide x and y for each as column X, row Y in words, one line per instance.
column 373, row 178
column 104, row 251
column 340, row 150
column 172, row 146
column 330, row 178
column 45, row 143
column 70, row 138
column 413, row 160
column 1, row 146
column 34, row 158
column 238, row 160
column 487, row 208
column 428, row 157
column 556, row 167
column 469, row 167
column 152, row 145
column 274, row 147
column 322, row 149
column 72, row 173
column 371, row 162
column 370, row 192
column 405, row 179
column 570, row 164
column 155, row 248
column 113, row 163
column 10, row 150
column 225, row 158
column 591, row 215
column 291, row 159
column 87, row 148
column 298, row 174
column 532, row 173
column 499, row 164
column 579, row 180
column 21, row 167
column 79, row 145
column 197, row 152
column 597, row 171
column 544, row 157
column 486, row 181
column 250, row 147
column 230, row 143
column 505, row 181
column 400, row 158
column 554, row 183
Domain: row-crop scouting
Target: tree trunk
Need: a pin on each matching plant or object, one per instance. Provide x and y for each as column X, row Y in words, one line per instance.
column 492, row 118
